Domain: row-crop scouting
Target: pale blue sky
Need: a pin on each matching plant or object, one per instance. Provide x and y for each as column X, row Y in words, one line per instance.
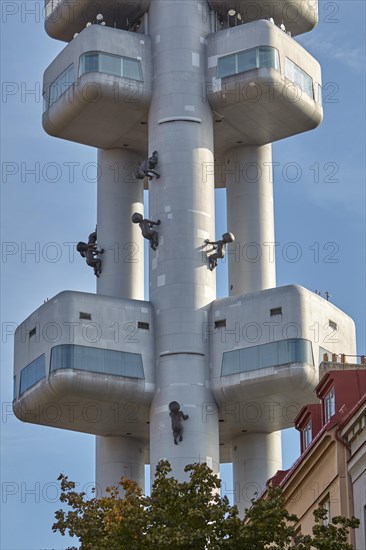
column 39, row 211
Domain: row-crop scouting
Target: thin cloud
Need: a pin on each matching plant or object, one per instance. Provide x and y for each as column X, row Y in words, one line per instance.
column 353, row 58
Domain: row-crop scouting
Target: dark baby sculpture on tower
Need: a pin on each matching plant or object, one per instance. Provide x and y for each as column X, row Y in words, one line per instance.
column 91, row 253
column 177, row 416
column 219, row 249
column 146, row 229
column 146, row 169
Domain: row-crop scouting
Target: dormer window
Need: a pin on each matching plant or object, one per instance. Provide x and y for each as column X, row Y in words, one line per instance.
column 329, row 405
column 307, row 435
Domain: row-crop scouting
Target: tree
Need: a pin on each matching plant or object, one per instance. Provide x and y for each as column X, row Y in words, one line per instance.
column 188, row 515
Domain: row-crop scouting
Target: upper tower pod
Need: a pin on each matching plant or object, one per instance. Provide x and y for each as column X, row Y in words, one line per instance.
column 64, row 18
column 262, row 85
column 98, row 89
column 297, row 16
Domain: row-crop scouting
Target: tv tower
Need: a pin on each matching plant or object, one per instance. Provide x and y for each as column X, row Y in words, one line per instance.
column 180, row 97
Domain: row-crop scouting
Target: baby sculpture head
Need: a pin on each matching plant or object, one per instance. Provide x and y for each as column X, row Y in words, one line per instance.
column 137, row 218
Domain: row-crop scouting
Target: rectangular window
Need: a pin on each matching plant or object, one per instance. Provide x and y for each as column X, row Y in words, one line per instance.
column 110, row 64
column 247, row 60
column 85, row 316
column 115, row 65
column 329, row 405
column 326, row 506
column 276, row 311
column 143, row 326
column 131, row 69
column 89, row 63
column 299, row 77
column 307, row 435
column 85, row 358
column 268, row 57
column 295, row 350
column 220, row 324
column 61, row 84
column 32, row 373
column 320, row 95
column 14, row 388
column 227, row 66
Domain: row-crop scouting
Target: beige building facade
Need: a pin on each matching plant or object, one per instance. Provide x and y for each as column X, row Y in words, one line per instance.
column 331, row 471
column 354, row 433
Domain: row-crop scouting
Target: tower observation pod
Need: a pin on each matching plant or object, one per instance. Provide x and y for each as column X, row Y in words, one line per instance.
column 179, row 97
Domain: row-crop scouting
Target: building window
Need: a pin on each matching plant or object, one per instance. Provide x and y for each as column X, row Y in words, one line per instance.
column 294, row 350
column 247, row 60
column 307, row 435
column 299, row 77
column 85, row 316
column 61, row 84
column 320, row 95
column 32, row 373
column 333, row 325
column 329, row 405
column 114, row 65
column 117, row 363
column 14, row 388
column 326, row 506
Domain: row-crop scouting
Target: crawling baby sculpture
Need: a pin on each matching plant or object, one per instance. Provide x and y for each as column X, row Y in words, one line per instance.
column 177, row 415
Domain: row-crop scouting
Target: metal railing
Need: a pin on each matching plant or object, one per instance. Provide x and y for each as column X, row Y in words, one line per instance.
column 343, row 359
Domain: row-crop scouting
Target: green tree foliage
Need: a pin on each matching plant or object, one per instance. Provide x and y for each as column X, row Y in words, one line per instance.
column 188, row 515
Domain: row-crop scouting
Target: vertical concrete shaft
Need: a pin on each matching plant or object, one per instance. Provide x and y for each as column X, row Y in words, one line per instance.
column 251, row 262
column 181, row 285
column 250, row 217
column 119, row 196
column 256, row 458
column 118, row 457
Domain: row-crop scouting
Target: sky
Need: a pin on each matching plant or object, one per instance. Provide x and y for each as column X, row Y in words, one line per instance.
column 319, row 197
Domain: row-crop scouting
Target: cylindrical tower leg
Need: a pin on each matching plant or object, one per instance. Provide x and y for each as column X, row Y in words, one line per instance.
column 250, row 217
column 256, row 458
column 251, row 261
column 118, row 457
column 119, row 196
column 181, row 284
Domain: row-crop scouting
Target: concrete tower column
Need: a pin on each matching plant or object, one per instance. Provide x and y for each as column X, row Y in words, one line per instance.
column 250, row 217
column 256, row 458
column 119, row 196
column 118, row 457
column 181, row 285
column 251, row 262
